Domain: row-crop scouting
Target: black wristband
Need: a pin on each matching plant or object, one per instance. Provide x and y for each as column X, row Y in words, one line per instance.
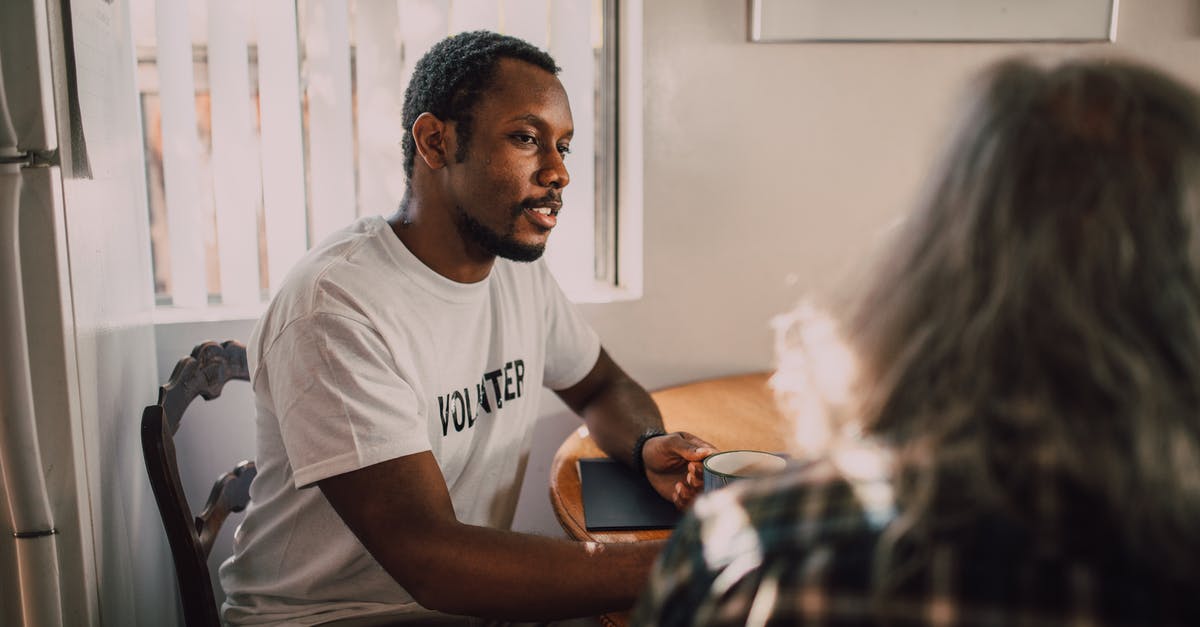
column 639, row 465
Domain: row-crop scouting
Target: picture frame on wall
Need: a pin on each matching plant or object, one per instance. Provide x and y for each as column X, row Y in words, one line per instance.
column 777, row 21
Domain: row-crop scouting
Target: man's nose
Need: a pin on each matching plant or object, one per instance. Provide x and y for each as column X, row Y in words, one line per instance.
column 553, row 172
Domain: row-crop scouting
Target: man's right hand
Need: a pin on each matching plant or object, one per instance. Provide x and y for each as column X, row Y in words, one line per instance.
column 674, row 466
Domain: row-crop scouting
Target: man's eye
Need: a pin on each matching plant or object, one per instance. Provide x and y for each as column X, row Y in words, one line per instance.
column 564, row 150
column 525, row 139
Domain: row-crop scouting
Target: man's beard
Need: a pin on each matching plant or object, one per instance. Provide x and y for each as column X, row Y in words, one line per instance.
column 475, row 232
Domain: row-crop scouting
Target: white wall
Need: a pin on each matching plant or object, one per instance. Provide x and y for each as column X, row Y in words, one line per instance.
column 772, row 169
column 108, row 248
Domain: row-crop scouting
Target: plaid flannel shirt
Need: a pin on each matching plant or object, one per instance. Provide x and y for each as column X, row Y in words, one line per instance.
column 799, row 549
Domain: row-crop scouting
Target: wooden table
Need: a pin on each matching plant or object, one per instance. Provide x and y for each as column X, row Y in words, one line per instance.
column 731, row 412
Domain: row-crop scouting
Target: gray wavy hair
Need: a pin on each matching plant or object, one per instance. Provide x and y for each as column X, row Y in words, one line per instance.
column 1031, row 346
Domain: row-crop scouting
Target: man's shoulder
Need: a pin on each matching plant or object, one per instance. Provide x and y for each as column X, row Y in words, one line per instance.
column 349, row 252
column 337, row 277
column 349, row 263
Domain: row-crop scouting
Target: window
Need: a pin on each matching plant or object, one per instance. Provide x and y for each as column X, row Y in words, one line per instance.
column 270, row 124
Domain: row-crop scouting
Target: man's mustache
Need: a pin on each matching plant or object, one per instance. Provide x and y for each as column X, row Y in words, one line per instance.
column 553, row 199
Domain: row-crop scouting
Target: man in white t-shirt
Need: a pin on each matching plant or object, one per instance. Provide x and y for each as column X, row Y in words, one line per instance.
column 397, row 372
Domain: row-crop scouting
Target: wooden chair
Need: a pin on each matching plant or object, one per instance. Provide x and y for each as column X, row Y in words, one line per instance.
column 204, row 374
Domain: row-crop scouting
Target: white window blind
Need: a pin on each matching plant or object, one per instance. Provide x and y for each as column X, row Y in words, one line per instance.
column 273, row 123
column 180, row 158
column 237, row 185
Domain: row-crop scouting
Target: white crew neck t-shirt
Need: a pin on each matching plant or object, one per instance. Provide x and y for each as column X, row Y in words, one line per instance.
column 366, row 355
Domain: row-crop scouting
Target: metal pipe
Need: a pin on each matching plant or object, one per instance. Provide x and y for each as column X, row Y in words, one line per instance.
column 20, row 455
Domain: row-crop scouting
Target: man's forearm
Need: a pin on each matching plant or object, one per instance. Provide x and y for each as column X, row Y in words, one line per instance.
column 478, row 571
column 618, row 411
column 615, row 407
column 618, row 414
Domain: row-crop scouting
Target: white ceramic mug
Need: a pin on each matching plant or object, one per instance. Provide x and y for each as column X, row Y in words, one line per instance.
column 721, row 469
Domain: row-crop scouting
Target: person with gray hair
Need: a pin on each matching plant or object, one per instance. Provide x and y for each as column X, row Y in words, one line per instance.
column 1019, row 438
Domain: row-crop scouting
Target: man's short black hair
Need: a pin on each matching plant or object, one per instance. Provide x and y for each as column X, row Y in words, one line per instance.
column 451, row 77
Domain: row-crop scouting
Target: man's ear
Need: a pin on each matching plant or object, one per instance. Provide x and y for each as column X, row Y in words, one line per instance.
column 430, row 135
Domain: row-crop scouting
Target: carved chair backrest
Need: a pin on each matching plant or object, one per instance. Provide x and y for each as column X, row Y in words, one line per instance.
column 203, row 373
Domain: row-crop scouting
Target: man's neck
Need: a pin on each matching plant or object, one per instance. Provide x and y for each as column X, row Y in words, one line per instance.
column 429, row 233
